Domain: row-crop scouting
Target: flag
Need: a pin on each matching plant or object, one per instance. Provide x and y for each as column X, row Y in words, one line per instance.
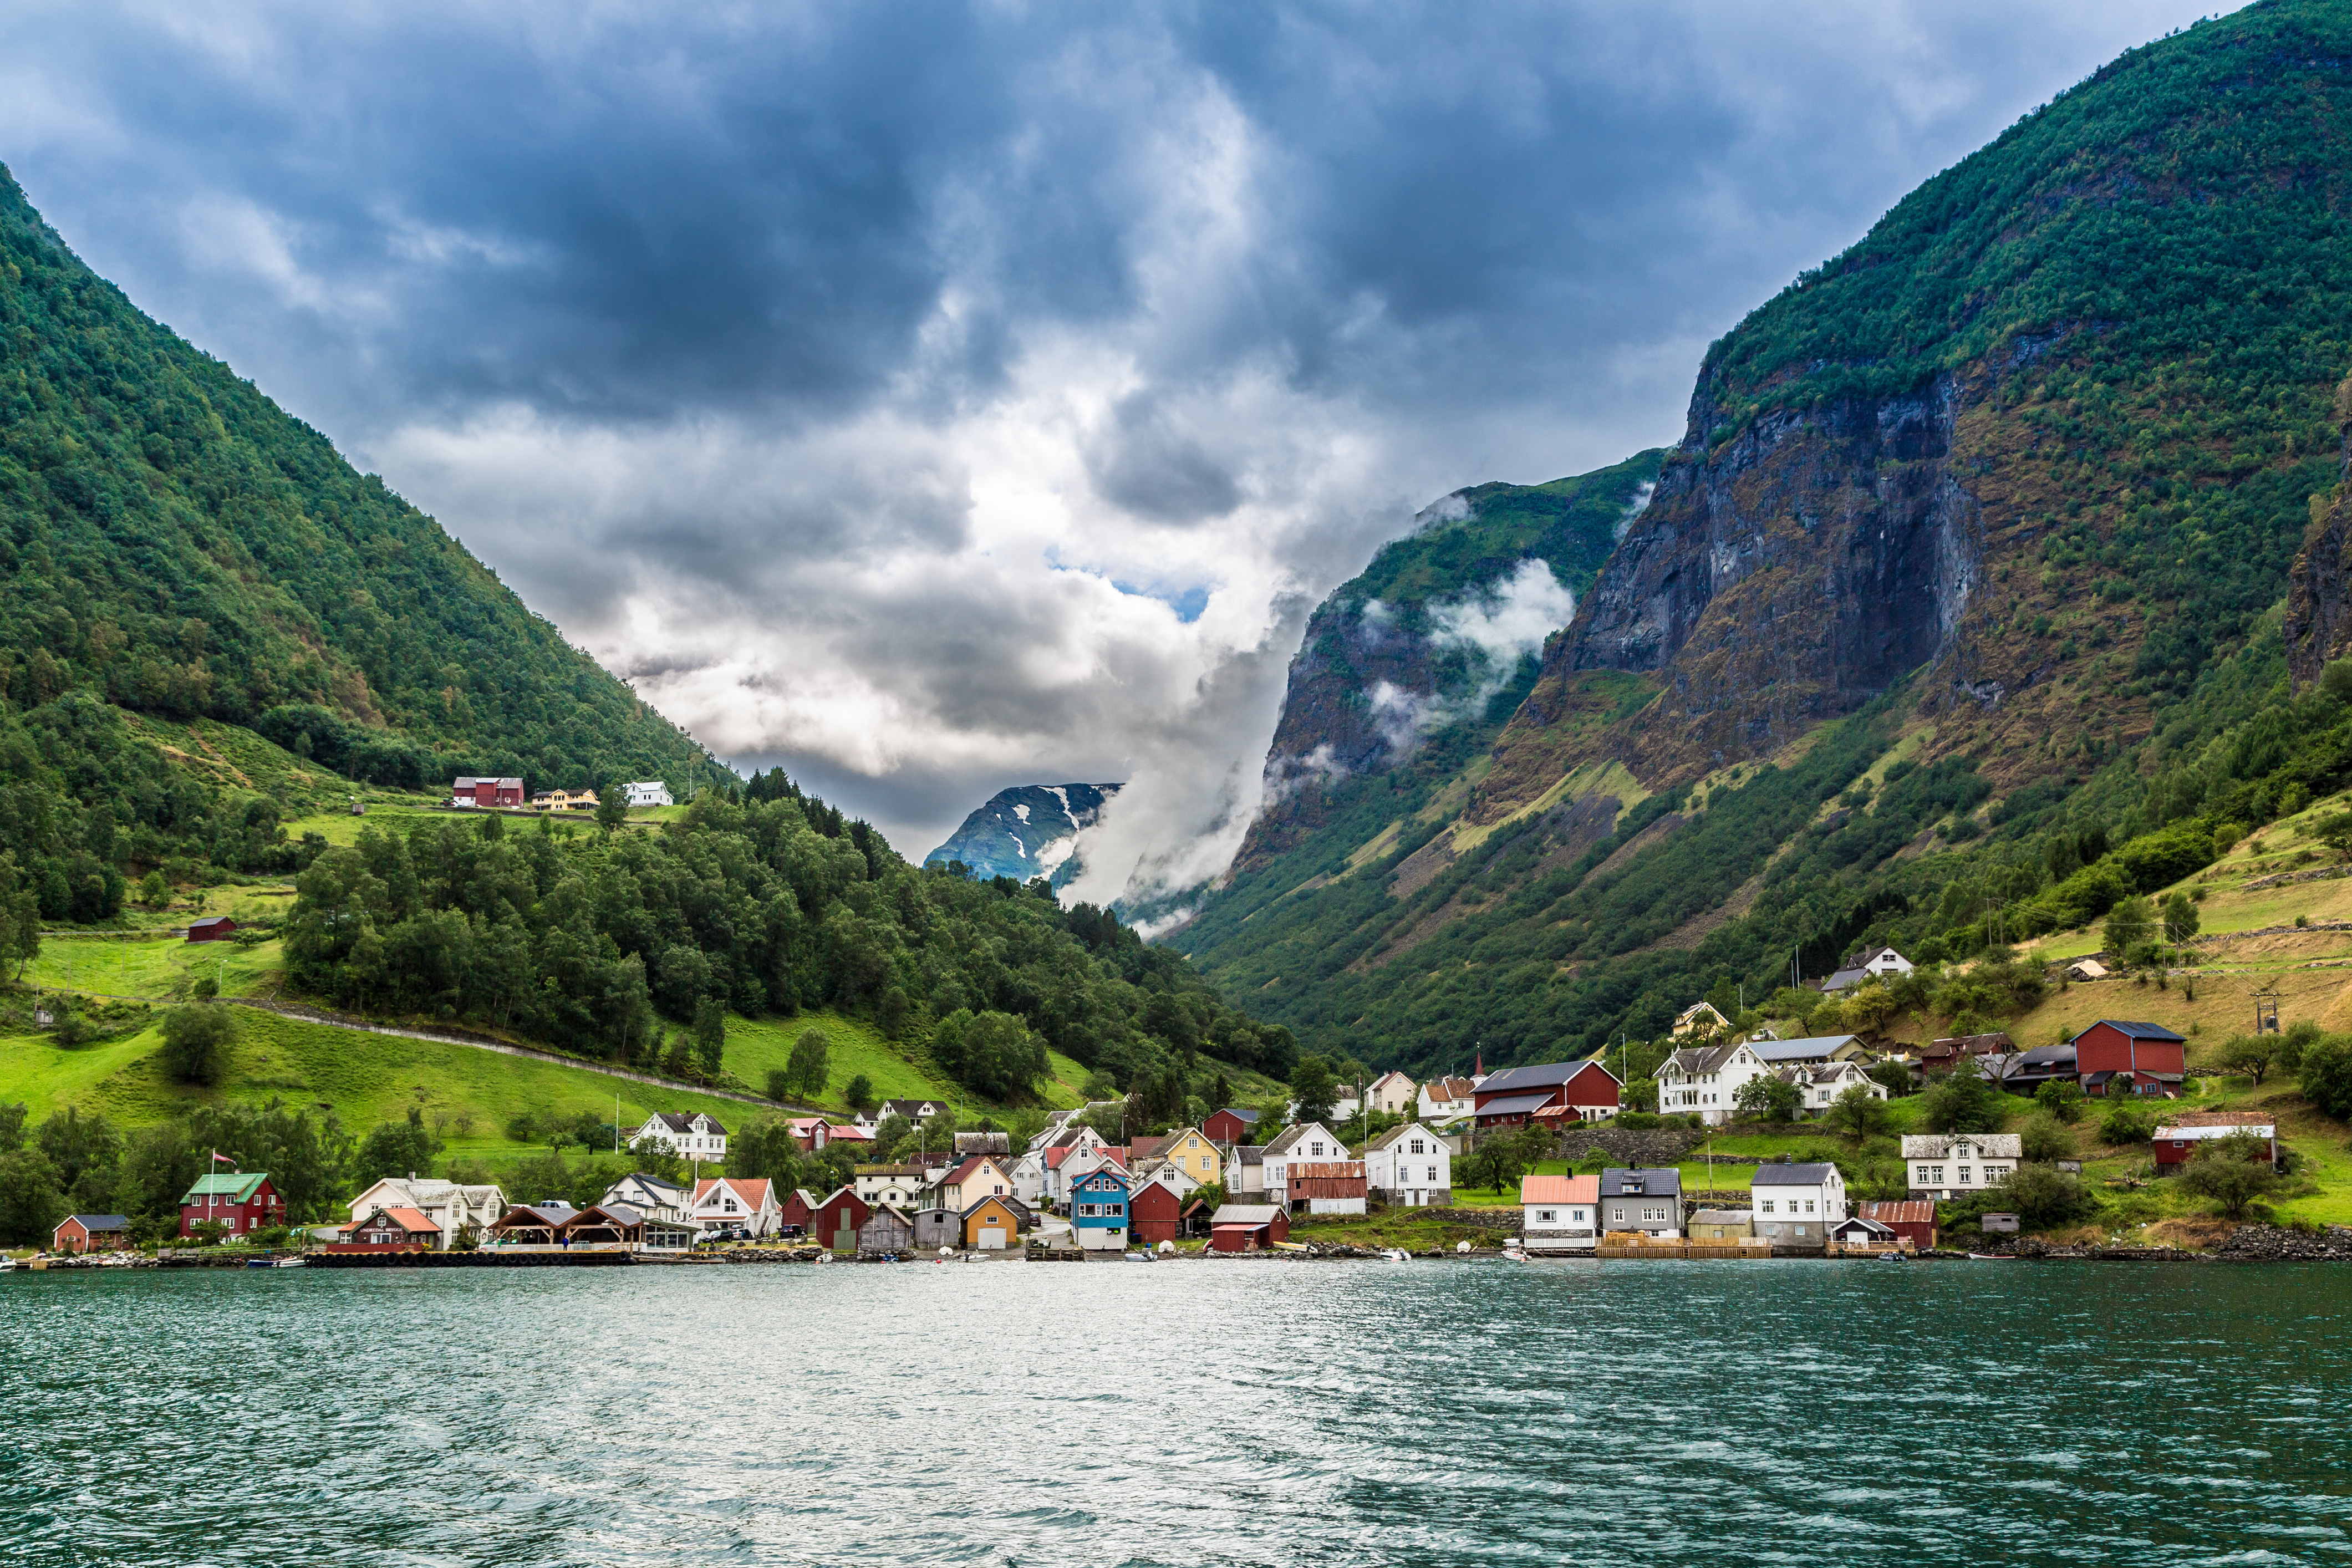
column 224, row 1159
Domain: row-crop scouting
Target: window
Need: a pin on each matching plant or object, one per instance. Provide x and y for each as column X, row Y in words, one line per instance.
column 1809, row 1206
column 1964, row 1175
column 1417, row 1147
column 1318, row 1149
column 1767, row 1205
column 1995, row 1173
column 1544, row 1216
column 1938, row 1180
column 1433, row 1174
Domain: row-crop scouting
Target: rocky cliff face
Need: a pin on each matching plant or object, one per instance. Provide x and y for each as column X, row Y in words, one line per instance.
column 1432, row 637
column 1027, row 831
column 2318, row 626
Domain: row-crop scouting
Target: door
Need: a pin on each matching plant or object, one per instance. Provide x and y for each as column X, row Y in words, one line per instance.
column 992, row 1238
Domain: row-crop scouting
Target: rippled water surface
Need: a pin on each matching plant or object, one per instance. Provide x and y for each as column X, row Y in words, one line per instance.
column 1178, row 1413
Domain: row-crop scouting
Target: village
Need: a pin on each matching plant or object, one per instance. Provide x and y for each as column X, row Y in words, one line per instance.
column 1596, row 1175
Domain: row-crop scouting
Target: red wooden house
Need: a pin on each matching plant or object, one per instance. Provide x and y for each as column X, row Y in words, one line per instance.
column 2178, row 1138
column 836, row 1221
column 400, row 1229
column 1155, row 1214
column 211, row 928
column 486, row 793
column 90, row 1233
column 242, row 1202
column 1231, row 1125
column 1580, row 1092
column 2118, row 1057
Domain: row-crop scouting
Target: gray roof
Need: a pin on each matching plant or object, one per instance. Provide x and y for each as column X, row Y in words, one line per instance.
column 1811, row 1048
column 1285, row 1143
column 98, row 1221
column 1242, row 1111
column 1512, row 1104
column 1249, row 1153
column 1792, row 1176
column 1874, row 1226
column 1695, row 1059
column 2136, row 1031
column 1544, row 1075
column 1644, row 1183
column 1723, row 1216
column 1938, row 1145
column 1844, row 978
column 1244, row 1214
column 1393, row 1133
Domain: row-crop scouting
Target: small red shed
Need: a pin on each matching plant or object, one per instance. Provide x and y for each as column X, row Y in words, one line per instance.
column 1247, row 1227
column 2177, row 1141
column 1912, row 1218
column 404, row 1228
column 211, row 928
column 2118, row 1055
column 1155, row 1214
column 1231, row 1125
column 90, row 1233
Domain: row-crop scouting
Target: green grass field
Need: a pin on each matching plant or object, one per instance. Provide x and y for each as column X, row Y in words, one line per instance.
column 161, row 969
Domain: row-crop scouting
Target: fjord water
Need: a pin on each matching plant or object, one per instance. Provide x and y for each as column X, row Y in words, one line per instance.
column 1245, row 1411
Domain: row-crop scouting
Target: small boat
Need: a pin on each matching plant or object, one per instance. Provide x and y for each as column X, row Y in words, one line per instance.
column 292, row 1263
column 1514, row 1254
column 1993, row 1258
column 1397, row 1254
column 1138, row 1258
column 1891, row 1258
column 7, row 1264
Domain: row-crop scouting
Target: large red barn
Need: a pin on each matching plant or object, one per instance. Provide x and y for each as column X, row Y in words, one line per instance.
column 2117, row 1055
column 1582, row 1092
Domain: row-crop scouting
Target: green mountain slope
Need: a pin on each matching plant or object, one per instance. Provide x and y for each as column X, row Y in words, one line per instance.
column 1956, row 613
column 173, row 541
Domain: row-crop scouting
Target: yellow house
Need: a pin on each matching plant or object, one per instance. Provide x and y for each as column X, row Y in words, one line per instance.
column 1193, row 1154
column 993, row 1223
column 563, row 800
column 1698, row 1018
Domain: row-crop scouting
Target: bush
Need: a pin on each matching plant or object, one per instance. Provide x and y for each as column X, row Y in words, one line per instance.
column 2234, row 1171
column 860, row 1093
column 196, row 1040
column 1768, row 1098
column 1893, row 1078
column 2324, row 1072
column 2041, row 1198
column 2125, row 1124
column 1639, row 1121
column 2061, row 1098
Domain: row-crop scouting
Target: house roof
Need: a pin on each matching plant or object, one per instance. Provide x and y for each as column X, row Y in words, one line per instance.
column 2089, row 968
column 237, row 1187
column 1288, row 1140
column 1449, row 1088
column 1696, row 1060
column 1006, row 1204
column 1811, row 1047
column 1640, row 1183
column 753, row 1191
column 653, row 1183
column 1385, row 1076
column 1104, row 1173
column 406, row 1218
column 683, row 1121
column 1938, row 1145
column 1512, row 1104
column 1970, row 1045
column 969, row 1167
column 846, row 1132
column 1904, row 1211
column 1864, row 1222
column 1723, row 1216
column 1792, row 1175
column 910, row 1109
column 1560, row 1189
column 1844, row 978
column 1244, row 1214
column 210, row 921
column 886, row 1170
column 1542, row 1075
column 1395, row 1134
column 1249, row 1155
column 893, row 1210
column 1242, row 1113
column 97, row 1221
column 2218, row 1119
column 2204, row 1124
column 2136, row 1031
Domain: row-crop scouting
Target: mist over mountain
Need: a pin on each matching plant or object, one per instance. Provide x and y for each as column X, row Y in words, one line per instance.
column 1027, row 831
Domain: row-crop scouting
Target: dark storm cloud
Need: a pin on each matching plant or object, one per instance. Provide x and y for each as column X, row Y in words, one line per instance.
column 826, row 366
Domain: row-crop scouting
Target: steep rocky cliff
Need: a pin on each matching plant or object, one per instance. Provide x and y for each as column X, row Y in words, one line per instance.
column 2318, row 626
column 1437, row 634
column 1025, row 831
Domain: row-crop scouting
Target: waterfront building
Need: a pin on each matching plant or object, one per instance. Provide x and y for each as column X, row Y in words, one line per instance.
column 90, row 1233
column 1247, row 1227
column 1723, row 1224
column 888, row 1228
column 1098, row 1209
column 1325, row 1186
column 1155, row 1213
column 241, row 1202
column 836, row 1219
column 732, row 1203
column 400, row 1227
column 994, row 1223
column 1648, row 1201
column 1308, row 1141
column 451, row 1206
column 652, row 1196
column 1409, row 1166
column 900, row 1185
column 1560, row 1213
column 1914, row 1219
column 1797, row 1204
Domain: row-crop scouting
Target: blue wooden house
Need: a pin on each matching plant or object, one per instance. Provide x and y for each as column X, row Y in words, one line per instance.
column 1099, row 1210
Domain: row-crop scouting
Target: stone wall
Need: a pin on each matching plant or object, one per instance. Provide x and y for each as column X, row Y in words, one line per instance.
column 1620, row 1146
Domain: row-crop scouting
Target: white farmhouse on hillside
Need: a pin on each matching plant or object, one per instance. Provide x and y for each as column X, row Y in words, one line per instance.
column 1448, row 1099
column 1708, row 1078
column 448, row 1205
column 1392, row 1094
column 688, row 1135
column 647, row 792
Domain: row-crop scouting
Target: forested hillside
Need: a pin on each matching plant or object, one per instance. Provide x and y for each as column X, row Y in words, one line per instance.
column 1956, row 614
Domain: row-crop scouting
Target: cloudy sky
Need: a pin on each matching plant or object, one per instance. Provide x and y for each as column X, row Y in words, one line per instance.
column 932, row 398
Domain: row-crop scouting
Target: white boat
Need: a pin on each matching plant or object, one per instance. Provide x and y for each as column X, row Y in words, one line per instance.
column 292, row 1263
column 7, row 1264
column 1397, row 1254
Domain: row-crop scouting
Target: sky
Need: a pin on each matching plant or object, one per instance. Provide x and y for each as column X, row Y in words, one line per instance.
column 932, row 398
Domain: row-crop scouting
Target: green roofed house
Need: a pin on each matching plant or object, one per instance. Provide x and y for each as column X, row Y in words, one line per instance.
column 241, row 1201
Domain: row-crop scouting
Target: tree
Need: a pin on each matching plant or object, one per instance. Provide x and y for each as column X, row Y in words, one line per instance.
column 2129, row 925
column 2180, row 917
column 779, row 1083
column 1769, row 1099
column 2335, row 831
column 612, row 808
column 1858, row 1113
column 31, row 1203
column 2125, row 1124
column 1315, row 1089
column 2061, row 1098
column 399, row 1149
column 196, row 1041
column 1892, row 1077
column 991, row 1053
column 2251, row 1054
column 2325, row 1074
column 11, row 1125
column 710, row 1039
column 2234, row 1172
column 812, row 1062
column 860, row 1093
column 2042, row 1140
column 1962, row 1103
column 1642, row 1093
column 84, row 1152
column 1867, row 1010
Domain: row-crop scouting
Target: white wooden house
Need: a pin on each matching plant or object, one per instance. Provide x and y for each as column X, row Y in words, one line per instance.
column 1560, row 1213
column 724, row 1203
column 1445, row 1099
column 1950, row 1166
column 1310, row 1142
column 1707, row 1079
column 651, row 1196
column 690, row 1135
column 1798, row 1203
column 1409, row 1166
column 448, row 1205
